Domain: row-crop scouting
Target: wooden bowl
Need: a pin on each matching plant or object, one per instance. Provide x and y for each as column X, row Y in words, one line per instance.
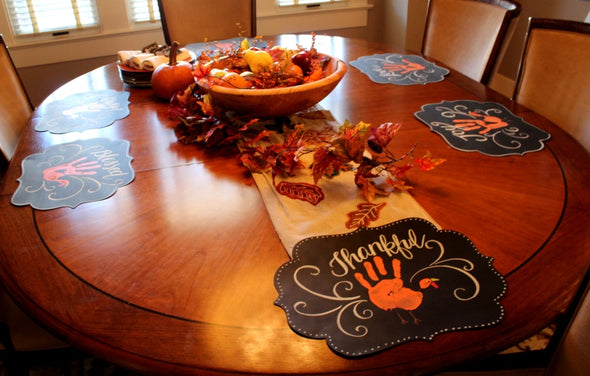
column 276, row 102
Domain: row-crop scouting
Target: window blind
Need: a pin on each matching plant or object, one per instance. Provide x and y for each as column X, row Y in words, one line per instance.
column 143, row 10
column 30, row 17
column 286, row 3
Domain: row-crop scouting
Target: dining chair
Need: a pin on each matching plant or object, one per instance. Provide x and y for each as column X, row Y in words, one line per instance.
column 554, row 77
column 15, row 105
column 194, row 21
column 468, row 35
column 24, row 345
column 22, row 342
column 572, row 354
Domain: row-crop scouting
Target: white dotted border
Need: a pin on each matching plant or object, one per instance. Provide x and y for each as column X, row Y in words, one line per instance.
column 399, row 341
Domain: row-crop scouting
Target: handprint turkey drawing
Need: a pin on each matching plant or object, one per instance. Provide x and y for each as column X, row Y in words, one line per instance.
column 486, row 127
column 389, row 294
column 483, row 123
column 74, row 168
column 82, row 111
column 74, row 173
column 379, row 287
column 399, row 69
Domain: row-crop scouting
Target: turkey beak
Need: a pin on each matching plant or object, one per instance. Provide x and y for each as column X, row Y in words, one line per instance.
column 433, row 284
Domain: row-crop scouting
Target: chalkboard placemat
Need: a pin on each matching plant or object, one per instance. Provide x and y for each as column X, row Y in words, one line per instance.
column 399, row 69
column 67, row 175
column 380, row 287
column 485, row 127
column 82, row 111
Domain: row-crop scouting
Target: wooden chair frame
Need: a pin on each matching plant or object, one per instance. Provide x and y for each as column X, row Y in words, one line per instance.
column 560, row 362
column 3, row 44
column 577, row 127
column 6, row 155
column 550, row 24
column 5, row 54
column 513, row 10
column 169, row 39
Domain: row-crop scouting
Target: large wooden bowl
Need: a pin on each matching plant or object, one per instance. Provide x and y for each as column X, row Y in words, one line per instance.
column 276, row 102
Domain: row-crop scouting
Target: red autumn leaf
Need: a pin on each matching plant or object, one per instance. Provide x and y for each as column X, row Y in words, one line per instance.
column 263, row 134
column 427, row 162
column 350, row 143
column 325, row 163
column 368, row 190
column 206, row 107
column 399, row 171
column 384, row 133
column 301, row 191
column 292, row 138
column 215, row 135
column 367, row 212
column 251, row 162
column 398, row 184
column 286, row 163
column 316, row 137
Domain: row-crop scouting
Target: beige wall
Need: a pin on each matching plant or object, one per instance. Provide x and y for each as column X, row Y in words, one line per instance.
column 390, row 21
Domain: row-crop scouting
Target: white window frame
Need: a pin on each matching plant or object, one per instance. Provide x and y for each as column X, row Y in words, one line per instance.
column 116, row 32
column 151, row 10
column 40, row 29
column 274, row 19
column 306, row 3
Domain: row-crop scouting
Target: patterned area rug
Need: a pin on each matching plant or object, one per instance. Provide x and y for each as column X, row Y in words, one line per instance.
column 537, row 342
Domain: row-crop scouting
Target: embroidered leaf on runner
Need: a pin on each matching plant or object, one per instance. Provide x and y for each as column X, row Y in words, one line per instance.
column 367, row 212
column 301, row 191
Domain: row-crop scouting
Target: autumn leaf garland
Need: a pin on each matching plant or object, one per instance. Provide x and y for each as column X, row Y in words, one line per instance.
column 353, row 147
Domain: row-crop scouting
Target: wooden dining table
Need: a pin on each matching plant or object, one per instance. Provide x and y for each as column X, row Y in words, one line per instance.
column 173, row 274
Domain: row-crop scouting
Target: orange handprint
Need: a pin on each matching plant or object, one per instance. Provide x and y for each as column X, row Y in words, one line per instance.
column 73, row 168
column 403, row 68
column 390, row 294
column 487, row 123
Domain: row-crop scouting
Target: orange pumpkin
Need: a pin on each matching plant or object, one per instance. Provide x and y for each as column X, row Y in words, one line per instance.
column 172, row 77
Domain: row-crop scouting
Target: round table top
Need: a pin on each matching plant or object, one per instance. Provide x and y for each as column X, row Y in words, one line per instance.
column 174, row 272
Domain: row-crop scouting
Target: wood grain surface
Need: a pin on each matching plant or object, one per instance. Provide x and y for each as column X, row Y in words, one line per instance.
column 174, row 273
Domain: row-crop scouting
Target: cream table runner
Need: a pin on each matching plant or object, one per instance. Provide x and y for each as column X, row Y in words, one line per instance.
column 295, row 220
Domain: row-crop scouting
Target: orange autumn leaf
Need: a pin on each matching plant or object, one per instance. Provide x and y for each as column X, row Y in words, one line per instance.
column 262, row 135
column 252, row 163
column 398, row 172
column 427, row 162
column 350, row 143
column 384, row 133
column 368, row 190
column 398, row 184
column 326, row 163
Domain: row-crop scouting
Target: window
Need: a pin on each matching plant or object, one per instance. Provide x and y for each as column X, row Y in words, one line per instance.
column 304, row 16
column 285, row 3
column 143, row 10
column 33, row 17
